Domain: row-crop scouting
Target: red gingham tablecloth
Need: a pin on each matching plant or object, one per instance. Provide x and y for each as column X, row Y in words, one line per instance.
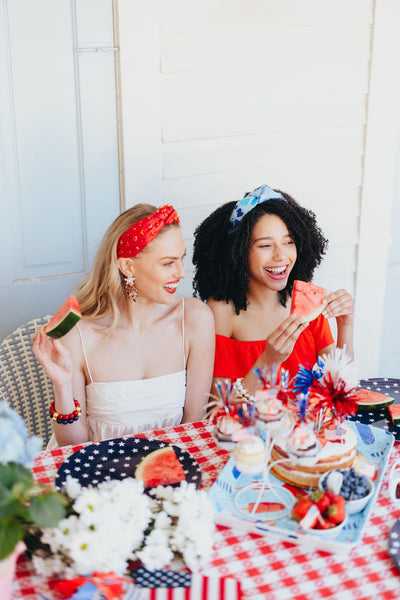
column 267, row 571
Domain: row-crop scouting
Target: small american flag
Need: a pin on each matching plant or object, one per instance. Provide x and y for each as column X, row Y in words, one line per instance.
column 202, row 588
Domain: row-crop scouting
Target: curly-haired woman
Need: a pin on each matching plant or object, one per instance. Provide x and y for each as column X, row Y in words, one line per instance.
column 247, row 255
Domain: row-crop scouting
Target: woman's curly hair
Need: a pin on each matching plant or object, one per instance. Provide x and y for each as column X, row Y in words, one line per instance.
column 220, row 257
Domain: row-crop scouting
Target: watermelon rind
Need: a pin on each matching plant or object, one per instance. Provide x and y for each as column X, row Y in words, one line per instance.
column 379, row 401
column 65, row 318
column 315, row 314
column 65, row 325
column 366, row 407
column 394, row 411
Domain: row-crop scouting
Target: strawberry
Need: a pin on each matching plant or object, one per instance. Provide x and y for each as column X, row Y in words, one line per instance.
column 330, row 495
column 302, row 506
column 321, row 499
column 336, row 513
column 324, row 524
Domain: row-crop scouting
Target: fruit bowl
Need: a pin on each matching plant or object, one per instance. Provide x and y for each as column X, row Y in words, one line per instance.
column 330, row 534
column 353, row 505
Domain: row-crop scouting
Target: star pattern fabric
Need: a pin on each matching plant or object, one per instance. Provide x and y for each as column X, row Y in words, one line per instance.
column 117, row 459
column 380, row 417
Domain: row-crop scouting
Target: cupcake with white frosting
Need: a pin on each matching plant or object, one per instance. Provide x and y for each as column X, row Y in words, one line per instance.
column 250, row 455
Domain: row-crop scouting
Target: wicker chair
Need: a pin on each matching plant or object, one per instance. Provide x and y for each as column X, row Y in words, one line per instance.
column 23, row 382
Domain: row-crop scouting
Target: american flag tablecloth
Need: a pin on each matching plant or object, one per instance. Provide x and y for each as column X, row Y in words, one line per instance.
column 266, row 571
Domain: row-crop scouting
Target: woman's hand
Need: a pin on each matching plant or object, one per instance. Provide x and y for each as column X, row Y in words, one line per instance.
column 340, row 307
column 53, row 357
column 280, row 343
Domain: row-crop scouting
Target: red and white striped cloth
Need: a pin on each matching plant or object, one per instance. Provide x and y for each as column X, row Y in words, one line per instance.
column 202, row 588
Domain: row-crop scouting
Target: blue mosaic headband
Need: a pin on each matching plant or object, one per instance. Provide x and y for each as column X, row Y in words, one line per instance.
column 246, row 204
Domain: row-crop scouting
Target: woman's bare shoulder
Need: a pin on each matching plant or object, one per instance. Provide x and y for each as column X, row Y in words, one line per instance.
column 89, row 328
column 199, row 320
column 224, row 314
column 196, row 309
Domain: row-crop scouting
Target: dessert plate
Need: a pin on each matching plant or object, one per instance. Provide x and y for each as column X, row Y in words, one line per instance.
column 380, row 417
column 117, row 459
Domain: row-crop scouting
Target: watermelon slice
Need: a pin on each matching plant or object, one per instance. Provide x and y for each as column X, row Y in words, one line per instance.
column 394, row 410
column 64, row 319
column 370, row 400
column 264, row 507
column 307, row 300
column 160, row 467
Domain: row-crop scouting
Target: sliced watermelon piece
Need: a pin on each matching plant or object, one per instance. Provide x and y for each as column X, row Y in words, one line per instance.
column 160, row 467
column 307, row 300
column 370, row 400
column 64, row 319
column 264, row 507
column 394, row 411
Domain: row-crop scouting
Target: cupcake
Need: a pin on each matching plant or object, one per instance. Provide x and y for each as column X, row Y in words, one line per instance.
column 303, row 443
column 225, row 427
column 250, row 455
column 271, row 412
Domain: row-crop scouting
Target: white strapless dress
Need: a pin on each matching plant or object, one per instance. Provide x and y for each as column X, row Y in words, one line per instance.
column 118, row 408
column 125, row 407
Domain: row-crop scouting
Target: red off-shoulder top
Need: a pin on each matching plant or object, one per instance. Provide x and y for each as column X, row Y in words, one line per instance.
column 234, row 358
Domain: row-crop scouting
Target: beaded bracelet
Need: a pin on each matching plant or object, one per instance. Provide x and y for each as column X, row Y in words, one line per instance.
column 65, row 419
column 241, row 392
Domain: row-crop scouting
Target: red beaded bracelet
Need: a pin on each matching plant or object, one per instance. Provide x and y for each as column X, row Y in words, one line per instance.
column 65, row 419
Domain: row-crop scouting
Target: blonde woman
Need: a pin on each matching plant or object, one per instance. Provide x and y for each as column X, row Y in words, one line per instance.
column 140, row 358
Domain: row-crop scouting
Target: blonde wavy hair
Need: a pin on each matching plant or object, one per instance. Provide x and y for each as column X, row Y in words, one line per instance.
column 103, row 289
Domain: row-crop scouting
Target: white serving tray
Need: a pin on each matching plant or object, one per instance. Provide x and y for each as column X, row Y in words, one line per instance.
column 373, row 443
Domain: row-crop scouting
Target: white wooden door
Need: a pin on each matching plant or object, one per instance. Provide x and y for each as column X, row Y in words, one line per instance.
column 59, row 173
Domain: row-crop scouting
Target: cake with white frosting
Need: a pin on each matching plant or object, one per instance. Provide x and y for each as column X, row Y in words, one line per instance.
column 308, row 456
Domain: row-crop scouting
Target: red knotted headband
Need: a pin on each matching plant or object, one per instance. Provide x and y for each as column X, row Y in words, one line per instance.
column 141, row 233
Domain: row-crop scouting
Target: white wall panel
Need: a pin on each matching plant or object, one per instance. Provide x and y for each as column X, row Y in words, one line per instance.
column 265, row 91
column 191, row 15
column 250, row 117
column 197, row 51
column 341, row 150
column 208, row 88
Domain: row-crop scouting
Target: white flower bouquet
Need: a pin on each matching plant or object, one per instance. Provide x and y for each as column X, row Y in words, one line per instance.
column 110, row 526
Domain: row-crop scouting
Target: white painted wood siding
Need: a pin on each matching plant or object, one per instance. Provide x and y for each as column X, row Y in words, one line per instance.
column 237, row 94
column 59, row 184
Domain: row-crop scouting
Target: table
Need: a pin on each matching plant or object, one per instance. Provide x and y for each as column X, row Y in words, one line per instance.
column 267, row 571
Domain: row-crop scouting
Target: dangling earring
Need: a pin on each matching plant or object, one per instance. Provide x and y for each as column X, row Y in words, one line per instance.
column 130, row 288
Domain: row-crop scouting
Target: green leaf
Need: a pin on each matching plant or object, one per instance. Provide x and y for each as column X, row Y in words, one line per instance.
column 13, row 473
column 5, row 495
column 46, row 510
column 11, row 532
column 13, row 508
